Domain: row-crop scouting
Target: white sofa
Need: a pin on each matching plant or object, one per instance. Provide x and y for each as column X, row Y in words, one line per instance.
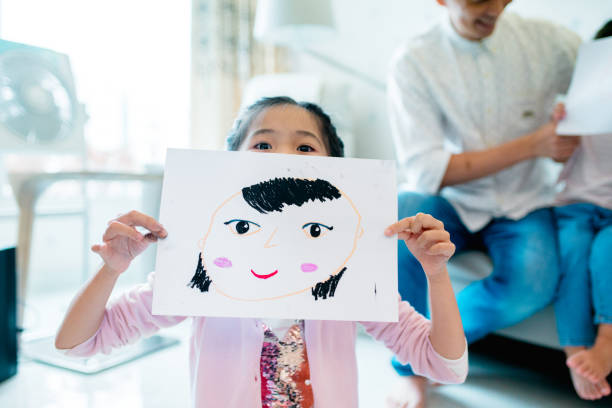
column 539, row 329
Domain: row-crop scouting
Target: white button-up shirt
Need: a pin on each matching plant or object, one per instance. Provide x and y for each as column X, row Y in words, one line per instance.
column 449, row 95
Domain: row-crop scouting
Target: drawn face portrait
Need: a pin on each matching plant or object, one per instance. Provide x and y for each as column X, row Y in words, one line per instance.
column 279, row 238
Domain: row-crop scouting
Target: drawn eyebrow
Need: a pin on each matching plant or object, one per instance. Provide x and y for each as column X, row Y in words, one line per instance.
column 317, row 223
column 238, row 219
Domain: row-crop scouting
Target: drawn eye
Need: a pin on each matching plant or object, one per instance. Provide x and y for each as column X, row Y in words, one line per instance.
column 315, row 229
column 242, row 227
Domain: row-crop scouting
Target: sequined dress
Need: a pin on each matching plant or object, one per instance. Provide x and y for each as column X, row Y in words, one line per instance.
column 285, row 374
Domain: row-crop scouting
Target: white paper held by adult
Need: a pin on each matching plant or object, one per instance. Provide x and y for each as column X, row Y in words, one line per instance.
column 590, row 92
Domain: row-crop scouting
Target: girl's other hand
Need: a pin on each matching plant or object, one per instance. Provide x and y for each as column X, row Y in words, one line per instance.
column 122, row 242
column 427, row 239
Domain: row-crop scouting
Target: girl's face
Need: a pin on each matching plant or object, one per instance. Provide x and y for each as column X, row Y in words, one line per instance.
column 286, row 129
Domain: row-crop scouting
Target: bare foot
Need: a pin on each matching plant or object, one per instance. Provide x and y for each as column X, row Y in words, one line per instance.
column 594, row 364
column 588, row 390
column 408, row 392
column 585, row 388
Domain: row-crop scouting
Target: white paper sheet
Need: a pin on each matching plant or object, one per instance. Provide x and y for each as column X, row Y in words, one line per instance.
column 270, row 260
column 589, row 99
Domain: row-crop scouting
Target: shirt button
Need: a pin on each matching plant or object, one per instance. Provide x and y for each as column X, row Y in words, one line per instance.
column 307, row 382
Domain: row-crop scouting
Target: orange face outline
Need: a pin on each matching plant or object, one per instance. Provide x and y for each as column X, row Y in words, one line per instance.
column 202, row 244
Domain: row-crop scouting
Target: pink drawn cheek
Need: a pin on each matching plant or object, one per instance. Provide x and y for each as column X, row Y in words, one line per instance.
column 308, row 267
column 222, row 262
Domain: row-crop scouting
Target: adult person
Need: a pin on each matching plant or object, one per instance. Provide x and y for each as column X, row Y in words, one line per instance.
column 470, row 104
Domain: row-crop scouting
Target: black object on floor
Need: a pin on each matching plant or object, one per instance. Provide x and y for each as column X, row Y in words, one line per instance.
column 8, row 314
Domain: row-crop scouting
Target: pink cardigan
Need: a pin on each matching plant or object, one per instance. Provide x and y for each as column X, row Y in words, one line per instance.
column 225, row 352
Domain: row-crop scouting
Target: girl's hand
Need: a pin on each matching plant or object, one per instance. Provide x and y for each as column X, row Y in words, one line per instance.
column 427, row 239
column 122, row 242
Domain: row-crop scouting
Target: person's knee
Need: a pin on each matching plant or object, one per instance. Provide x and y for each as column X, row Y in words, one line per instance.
column 532, row 267
column 529, row 284
column 601, row 252
column 525, row 297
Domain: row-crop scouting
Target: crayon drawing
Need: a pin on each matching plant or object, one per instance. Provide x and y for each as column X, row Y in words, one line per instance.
column 240, row 254
column 276, row 236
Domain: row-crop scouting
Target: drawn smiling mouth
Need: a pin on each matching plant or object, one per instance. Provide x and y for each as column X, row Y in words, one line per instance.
column 264, row 276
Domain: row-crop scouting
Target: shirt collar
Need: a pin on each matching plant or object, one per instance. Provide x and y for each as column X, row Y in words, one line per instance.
column 490, row 44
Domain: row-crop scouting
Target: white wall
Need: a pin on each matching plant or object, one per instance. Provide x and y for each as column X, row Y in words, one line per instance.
column 369, row 31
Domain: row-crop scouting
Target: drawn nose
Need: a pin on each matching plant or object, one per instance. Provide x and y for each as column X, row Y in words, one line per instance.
column 269, row 243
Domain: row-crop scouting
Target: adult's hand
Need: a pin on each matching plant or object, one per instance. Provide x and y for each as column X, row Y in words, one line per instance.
column 547, row 143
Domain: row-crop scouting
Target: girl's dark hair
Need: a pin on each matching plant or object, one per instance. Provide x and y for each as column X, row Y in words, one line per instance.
column 242, row 123
column 605, row 31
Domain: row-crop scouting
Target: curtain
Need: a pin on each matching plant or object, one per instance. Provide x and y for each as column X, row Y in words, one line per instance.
column 224, row 57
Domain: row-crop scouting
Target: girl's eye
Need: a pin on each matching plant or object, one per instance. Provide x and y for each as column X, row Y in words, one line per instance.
column 242, row 227
column 315, row 229
column 305, row 149
column 263, row 146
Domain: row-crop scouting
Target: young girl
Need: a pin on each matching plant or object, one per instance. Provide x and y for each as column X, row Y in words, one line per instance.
column 259, row 363
column 584, row 218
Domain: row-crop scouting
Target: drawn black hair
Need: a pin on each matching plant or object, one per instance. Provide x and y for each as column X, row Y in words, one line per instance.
column 273, row 195
column 237, row 134
column 604, row 31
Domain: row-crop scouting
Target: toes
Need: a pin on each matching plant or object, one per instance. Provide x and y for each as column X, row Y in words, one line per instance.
column 604, row 387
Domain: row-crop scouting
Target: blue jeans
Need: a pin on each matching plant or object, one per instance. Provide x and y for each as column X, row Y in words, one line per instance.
column 585, row 250
column 525, row 267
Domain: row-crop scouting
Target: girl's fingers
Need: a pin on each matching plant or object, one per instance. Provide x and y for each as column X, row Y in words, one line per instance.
column 136, row 218
column 405, row 235
column 442, row 248
column 152, row 237
column 431, row 237
column 97, row 248
column 425, row 222
column 401, row 225
column 117, row 228
column 414, row 225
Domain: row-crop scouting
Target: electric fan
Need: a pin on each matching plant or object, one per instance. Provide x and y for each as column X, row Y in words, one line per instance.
column 39, row 110
column 40, row 113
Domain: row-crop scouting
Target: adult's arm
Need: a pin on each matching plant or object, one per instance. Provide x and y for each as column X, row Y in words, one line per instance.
column 543, row 142
column 562, row 44
column 417, row 124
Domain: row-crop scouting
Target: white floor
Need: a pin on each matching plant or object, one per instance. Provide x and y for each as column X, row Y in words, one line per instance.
column 490, row 384
column 161, row 380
